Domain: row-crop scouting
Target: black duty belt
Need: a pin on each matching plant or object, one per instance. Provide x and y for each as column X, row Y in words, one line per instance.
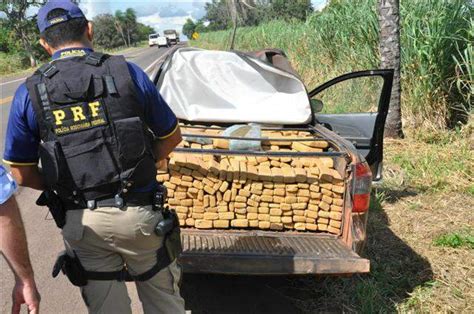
column 129, row 199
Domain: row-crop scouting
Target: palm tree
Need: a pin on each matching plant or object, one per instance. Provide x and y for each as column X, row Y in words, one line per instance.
column 120, row 24
column 389, row 22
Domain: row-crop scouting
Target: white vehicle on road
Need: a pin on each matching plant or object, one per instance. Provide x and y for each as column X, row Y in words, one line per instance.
column 172, row 35
column 163, row 41
column 153, row 39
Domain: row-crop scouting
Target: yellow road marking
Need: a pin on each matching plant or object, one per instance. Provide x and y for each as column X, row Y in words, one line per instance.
column 6, row 100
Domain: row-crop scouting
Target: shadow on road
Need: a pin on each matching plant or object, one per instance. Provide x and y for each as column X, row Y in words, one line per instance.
column 396, row 270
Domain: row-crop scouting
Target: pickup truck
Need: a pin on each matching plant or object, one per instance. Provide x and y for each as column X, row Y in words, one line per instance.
column 356, row 143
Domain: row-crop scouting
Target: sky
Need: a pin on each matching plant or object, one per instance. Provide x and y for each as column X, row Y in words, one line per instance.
column 157, row 13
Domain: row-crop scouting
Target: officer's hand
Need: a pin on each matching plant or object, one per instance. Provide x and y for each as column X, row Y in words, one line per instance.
column 25, row 293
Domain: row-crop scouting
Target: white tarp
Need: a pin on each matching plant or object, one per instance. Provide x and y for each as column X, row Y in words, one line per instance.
column 218, row 86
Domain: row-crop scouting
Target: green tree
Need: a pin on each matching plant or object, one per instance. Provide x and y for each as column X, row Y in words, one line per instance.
column 143, row 31
column 188, row 28
column 120, row 22
column 105, row 33
column 23, row 26
column 288, row 10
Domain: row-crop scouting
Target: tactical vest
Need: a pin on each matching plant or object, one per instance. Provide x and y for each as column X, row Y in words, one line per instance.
column 94, row 141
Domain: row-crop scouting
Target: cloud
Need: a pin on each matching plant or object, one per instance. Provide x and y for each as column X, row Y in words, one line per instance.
column 172, row 11
column 161, row 23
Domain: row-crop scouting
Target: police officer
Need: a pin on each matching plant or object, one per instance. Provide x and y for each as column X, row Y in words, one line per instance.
column 98, row 125
column 14, row 248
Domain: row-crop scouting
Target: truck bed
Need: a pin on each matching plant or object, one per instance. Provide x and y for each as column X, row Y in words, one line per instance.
column 267, row 253
column 262, row 252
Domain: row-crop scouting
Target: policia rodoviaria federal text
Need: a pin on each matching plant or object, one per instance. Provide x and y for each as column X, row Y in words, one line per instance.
column 99, row 126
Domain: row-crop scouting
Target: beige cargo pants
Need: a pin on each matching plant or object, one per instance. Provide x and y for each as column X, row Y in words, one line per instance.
column 106, row 238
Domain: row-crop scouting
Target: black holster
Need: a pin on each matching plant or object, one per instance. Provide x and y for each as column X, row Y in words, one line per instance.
column 55, row 205
column 173, row 239
column 72, row 268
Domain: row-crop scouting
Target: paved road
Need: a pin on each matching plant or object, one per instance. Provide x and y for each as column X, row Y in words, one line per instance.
column 203, row 293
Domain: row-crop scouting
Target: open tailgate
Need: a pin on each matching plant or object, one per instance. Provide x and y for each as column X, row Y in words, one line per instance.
column 267, row 253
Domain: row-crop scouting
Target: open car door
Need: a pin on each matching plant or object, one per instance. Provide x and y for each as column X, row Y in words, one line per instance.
column 355, row 106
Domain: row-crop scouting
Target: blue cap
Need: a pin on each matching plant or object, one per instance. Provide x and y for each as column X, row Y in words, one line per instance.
column 72, row 12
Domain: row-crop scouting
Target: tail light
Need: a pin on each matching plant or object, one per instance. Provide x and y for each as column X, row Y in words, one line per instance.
column 362, row 185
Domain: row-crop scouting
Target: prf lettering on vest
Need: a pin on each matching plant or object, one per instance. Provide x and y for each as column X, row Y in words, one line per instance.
column 78, row 117
column 59, row 115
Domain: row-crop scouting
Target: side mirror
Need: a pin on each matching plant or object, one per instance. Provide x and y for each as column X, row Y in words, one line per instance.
column 316, row 105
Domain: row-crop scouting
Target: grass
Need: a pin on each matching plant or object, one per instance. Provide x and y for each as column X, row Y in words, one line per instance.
column 456, row 239
column 437, row 52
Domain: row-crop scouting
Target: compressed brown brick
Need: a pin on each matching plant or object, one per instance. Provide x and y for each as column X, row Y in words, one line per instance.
column 264, row 225
column 333, row 230
column 335, row 208
column 285, row 206
column 197, row 215
column 299, row 218
column 338, row 202
column 286, row 219
column 276, row 226
column 221, row 224
column 279, row 192
column 299, row 206
column 240, row 210
column 311, row 226
column 303, row 199
column 278, row 199
column 211, row 216
column 291, row 188
column 290, row 199
column 253, row 203
column 276, row 211
column 311, row 214
column 326, row 199
column 324, row 206
column 190, row 222
column 300, row 226
column 240, row 223
column 203, row 224
column 299, row 212
column 335, row 223
column 322, row 227
column 222, row 208
column 338, row 189
column 252, row 209
column 244, row 193
column 263, row 217
column 173, row 201
column 210, row 209
column 226, row 215
column 322, row 220
column 275, row 219
column 198, row 209
column 240, row 216
column 267, row 198
column 212, row 201
column 180, row 195
column 252, row 216
column 198, row 184
column 277, row 174
column 335, row 215
column 186, row 172
column 182, row 215
column 253, row 223
column 326, row 192
column 304, row 186
column 263, row 210
column 186, row 202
